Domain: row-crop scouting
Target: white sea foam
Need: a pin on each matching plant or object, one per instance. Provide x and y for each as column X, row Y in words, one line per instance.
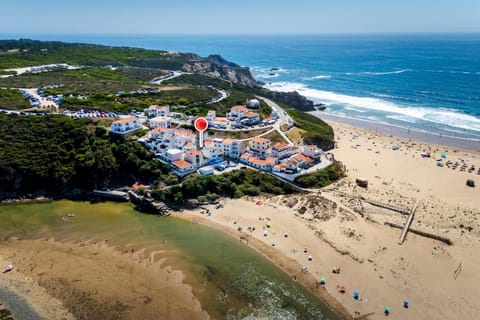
column 387, row 72
column 319, row 77
column 438, row 116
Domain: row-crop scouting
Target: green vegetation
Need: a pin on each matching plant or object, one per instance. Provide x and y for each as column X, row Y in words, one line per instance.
column 233, row 184
column 85, row 80
column 236, row 134
column 7, row 72
column 128, row 102
column 32, row 52
column 317, row 131
column 275, row 137
column 321, row 178
column 56, row 155
column 200, row 81
column 12, row 99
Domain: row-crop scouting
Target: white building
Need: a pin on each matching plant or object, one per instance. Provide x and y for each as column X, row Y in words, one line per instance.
column 312, row 151
column 173, row 155
column 280, row 150
column 232, row 148
column 259, row 147
column 238, row 111
column 182, row 167
column 250, row 118
column 125, row 125
column 195, row 157
column 158, row 111
column 211, row 114
column 162, row 122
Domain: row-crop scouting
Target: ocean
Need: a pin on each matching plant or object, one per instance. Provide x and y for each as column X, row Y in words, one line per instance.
column 425, row 83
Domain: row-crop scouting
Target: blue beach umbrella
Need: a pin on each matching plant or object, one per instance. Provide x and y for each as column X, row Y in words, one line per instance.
column 355, row 294
column 405, row 304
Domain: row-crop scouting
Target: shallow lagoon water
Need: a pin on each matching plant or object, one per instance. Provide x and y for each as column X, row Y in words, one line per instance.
column 231, row 281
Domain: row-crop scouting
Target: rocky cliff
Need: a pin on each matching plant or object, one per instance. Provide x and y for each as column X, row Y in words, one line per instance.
column 217, row 67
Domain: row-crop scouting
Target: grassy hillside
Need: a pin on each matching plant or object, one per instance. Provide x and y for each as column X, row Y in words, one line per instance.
column 21, row 53
column 12, row 100
column 317, row 131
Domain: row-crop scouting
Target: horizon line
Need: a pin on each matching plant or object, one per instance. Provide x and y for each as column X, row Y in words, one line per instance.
column 250, row 34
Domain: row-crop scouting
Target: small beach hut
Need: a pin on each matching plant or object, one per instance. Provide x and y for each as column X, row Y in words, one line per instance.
column 471, row 183
column 361, row 183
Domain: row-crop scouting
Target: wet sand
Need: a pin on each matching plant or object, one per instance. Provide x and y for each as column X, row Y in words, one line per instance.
column 88, row 280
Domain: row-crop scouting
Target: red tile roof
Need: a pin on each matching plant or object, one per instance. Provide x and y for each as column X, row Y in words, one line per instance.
column 251, row 115
column 194, row 153
column 125, row 120
column 259, row 140
column 239, row 108
column 280, row 145
column 182, row 164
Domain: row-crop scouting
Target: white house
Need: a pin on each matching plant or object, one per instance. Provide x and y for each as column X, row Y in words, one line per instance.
column 158, row 111
column 195, row 157
column 312, row 151
column 173, row 155
column 250, row 118
column 259, row 147
column 211, row 114
column 232, row 148
column 253, row 104
column 220, row 122
column 280, row 150
column 162, row 122
column 182, row 167
column 125, row 125
column 238, row 111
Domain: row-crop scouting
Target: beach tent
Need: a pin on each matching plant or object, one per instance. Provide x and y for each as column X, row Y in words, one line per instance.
column 443, row 155
column 440, row 164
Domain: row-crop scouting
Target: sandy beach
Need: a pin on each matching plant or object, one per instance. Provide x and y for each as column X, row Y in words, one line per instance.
column 88, row 280
column 304, row 234
column 339, row 228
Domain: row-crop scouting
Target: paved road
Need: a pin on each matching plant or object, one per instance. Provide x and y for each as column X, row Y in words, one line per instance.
column 171, row 75
column 283, row 118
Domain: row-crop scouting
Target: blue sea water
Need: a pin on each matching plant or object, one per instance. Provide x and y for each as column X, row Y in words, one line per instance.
column 429, row 83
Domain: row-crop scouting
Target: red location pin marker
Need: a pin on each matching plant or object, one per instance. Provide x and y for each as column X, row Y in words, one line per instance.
column 201, row 124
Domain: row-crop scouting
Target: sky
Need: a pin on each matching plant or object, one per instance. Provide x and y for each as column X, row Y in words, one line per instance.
column 31, row 17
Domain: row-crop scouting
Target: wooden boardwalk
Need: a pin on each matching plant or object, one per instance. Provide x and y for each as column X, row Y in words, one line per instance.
column 408, row 224
column 388, row 206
